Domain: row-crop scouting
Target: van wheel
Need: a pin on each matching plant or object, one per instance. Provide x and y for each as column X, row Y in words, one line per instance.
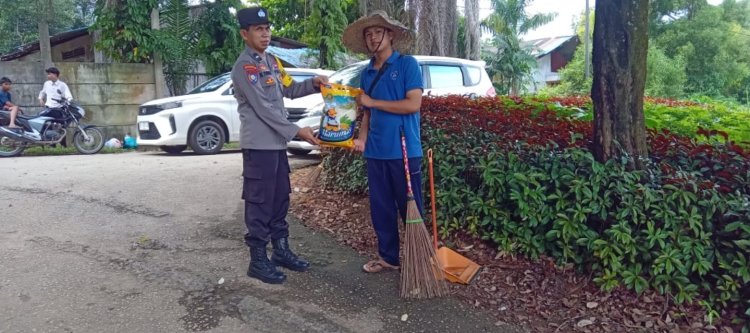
column 206, row 138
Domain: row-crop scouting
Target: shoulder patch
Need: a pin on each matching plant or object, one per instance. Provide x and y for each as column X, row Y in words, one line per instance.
column 250, row 69
column 252, row 73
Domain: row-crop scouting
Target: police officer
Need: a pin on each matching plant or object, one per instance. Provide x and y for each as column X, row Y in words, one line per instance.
column 260, row 85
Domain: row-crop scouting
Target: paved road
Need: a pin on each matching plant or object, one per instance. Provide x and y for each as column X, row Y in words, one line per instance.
column 139, row 242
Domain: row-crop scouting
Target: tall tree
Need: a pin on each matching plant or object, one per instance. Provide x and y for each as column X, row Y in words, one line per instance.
column 715, row 48
column 219, row 40
column 511, row 64
column 176, row 44
column 287, row 17
column 125, row 26
column 19, row 21
column 619, row 63
column 45, row 49
column 665, row 76
column 449, row 14
column 472, row 44
column 434, row 27
column 395, row 8
column 323, row 30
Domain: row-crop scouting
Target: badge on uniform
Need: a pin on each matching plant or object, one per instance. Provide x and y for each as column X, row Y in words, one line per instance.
column 394, row 75
column 250, row 69
column 252, row 73
column 270, row 80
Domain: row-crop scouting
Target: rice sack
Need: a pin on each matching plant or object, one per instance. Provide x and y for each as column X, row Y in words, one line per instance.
column 339, row 115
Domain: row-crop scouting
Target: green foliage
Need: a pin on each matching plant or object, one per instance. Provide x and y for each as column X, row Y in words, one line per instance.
column 19, row 20
column 126, row 34
column 176, row 44
column 219, row 42
column 666, row 77
column 287, row 17
column 640, row 230
column 323, row 29
column 716, row 55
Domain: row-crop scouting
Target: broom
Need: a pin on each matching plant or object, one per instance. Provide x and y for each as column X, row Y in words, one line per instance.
column 312, row 179
column 421, row 275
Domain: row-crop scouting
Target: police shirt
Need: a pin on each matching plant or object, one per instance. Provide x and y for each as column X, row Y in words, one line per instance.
column 260, row 88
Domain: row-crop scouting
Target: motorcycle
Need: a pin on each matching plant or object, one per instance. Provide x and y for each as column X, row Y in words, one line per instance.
column 49, row 128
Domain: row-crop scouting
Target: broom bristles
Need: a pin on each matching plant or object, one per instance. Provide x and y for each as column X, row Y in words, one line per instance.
column 312, row 179
column 421, row 274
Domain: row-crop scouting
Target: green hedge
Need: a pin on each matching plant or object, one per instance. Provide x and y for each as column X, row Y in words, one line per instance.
column 657, row 229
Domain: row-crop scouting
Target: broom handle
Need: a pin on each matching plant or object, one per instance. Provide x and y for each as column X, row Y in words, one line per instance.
column 409, row 192
column 432, row 198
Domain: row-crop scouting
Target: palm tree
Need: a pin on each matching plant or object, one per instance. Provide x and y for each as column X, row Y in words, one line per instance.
column 511, row 64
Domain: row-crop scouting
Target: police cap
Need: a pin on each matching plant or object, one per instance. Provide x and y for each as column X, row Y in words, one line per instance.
column 252, row 16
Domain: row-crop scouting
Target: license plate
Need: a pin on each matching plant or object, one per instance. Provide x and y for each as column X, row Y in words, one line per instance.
column 143, row 126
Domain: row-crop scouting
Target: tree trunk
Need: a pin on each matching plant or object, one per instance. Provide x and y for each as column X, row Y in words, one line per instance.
column 45, row 49
column 619, row 63
column 451, row 27
column 472, row 43
column 430, row 34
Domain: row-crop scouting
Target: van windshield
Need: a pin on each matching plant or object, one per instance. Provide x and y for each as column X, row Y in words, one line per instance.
column 212, row 84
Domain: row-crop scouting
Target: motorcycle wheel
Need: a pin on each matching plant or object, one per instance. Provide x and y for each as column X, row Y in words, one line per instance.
column 9, row 147
column 93, row 145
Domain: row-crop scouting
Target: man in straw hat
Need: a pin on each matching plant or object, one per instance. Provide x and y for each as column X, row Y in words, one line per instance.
column 393, row 88
column 260, row 83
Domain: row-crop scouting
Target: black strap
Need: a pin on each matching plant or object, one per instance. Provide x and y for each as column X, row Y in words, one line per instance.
column 377, row 77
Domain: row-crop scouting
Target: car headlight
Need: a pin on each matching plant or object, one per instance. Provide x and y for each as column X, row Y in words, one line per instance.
column 146, row 110
column 170, row 105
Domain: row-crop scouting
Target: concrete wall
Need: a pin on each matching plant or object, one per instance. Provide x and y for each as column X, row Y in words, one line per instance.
column 110, row 93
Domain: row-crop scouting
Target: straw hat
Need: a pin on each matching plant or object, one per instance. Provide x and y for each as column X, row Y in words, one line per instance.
column 354, row 39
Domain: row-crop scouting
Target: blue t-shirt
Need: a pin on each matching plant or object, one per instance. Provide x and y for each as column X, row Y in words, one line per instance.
column 4, row 98
column 384, row 137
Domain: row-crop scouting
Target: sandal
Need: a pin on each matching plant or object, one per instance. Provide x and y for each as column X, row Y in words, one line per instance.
column 377, row 266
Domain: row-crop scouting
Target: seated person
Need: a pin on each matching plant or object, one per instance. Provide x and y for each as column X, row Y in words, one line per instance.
column 6, row 103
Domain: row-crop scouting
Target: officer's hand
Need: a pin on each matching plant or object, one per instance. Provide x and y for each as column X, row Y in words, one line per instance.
column 306, row 133
column 319, row 80
column 364, row 100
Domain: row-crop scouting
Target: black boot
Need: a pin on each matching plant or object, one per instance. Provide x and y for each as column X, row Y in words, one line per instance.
column 262, row 269
column 284, row 257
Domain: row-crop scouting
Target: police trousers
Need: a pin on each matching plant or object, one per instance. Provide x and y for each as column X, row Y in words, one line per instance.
column 266, row 191
column 387, row 182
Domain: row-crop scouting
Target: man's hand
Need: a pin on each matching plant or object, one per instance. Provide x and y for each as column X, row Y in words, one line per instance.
column 364, row 100
column 359, row 145
column 319, row 80
column 306, row 133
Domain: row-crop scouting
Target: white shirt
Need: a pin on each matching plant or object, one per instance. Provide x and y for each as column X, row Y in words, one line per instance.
column 49, row 90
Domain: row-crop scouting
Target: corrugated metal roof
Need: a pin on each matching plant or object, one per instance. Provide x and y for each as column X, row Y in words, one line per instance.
column 32, row 47
column 300, row 58
column 543, row 46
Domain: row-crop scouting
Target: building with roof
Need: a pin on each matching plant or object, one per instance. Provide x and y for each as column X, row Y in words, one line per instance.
column 552, row 54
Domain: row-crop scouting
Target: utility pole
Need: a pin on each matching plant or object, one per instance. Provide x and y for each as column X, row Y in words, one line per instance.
column 586, row 35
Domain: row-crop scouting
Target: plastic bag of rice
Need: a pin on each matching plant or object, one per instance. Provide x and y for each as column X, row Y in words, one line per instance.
column 339, row 115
